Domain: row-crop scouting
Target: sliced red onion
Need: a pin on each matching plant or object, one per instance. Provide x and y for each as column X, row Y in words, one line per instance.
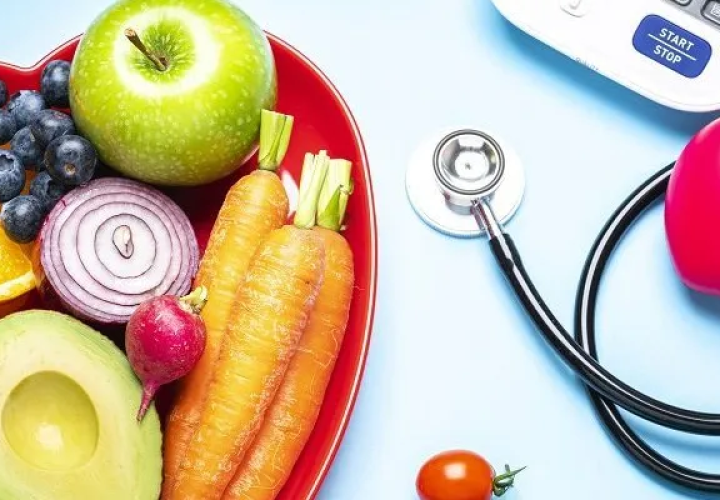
column 112, row 244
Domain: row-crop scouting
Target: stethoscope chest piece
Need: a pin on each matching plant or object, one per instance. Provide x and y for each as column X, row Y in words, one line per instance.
column 451, row 171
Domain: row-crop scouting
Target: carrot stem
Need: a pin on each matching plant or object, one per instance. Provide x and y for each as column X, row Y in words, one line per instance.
column 314, row 171
column 334, row 195
column 275, row 131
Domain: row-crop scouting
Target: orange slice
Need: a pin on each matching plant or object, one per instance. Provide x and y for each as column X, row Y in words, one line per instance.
column 16, row 273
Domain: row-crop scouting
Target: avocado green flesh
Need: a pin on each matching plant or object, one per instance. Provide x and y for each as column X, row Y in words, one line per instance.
column 68, row 405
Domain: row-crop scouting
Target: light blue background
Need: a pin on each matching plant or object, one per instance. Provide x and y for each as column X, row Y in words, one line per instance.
column 454, row 363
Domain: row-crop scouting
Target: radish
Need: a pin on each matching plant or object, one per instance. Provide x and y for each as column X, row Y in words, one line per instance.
column 164, row 339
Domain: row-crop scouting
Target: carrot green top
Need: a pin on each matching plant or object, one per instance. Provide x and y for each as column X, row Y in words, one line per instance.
column 314, row 171
column 275, row 131
column 336, row 190
column 325, row 185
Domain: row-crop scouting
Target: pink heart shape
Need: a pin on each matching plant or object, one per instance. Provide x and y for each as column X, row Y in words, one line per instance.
column 692, row 212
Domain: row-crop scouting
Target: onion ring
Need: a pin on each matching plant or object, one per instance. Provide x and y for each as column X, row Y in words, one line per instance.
column 112, row 244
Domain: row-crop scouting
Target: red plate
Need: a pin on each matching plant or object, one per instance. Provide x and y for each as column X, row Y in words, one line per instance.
column 322, row 121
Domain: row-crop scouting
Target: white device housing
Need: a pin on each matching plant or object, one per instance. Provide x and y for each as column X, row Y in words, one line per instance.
column 601, row 34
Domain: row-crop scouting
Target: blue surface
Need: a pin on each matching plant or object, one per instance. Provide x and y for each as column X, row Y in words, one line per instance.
column 454, row 363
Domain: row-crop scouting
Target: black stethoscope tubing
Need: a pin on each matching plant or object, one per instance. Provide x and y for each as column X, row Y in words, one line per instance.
column 585, row 307
column 605, row 390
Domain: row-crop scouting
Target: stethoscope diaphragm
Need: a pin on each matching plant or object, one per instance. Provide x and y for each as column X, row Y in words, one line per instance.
column 453, row 169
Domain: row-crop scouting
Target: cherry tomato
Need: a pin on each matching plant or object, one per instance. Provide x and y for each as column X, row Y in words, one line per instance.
column 461, row 475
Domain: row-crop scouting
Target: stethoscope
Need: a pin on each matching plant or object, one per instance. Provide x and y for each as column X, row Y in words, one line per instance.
column 469, row 183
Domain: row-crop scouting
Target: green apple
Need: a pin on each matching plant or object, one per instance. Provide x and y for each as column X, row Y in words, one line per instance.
column 170, row 92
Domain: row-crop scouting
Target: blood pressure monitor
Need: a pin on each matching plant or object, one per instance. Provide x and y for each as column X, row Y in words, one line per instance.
column 666, row 50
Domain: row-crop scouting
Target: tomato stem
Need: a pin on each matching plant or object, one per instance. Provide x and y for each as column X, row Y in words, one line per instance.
column 503, row 482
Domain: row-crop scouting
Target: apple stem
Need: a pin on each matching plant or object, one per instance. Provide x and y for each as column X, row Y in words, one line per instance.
column 132, row 35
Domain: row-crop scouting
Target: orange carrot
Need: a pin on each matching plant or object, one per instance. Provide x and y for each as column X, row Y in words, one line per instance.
column 269, row 315
column 253, row 207
column 294, row 411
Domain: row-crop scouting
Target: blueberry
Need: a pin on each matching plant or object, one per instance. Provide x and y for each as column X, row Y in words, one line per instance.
column 51, row 124
column 54, row 83
column 27, row 148
column 71, row 160
column 25, row 106
column 8, row 127
column 12, row 175
column 22, row 218
column 47, row 190
column 3, row 93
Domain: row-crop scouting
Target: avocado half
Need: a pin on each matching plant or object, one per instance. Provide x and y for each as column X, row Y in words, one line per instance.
column 68, row 405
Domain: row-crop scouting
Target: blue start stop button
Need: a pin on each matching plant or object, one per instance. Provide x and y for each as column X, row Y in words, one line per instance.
column 672, row 46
